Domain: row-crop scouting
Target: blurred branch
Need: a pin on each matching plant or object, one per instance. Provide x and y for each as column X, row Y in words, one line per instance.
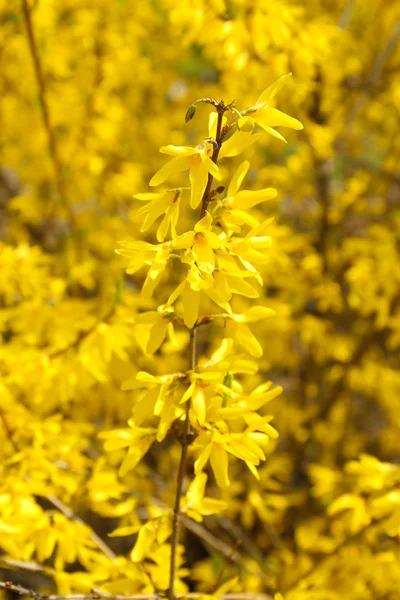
column 84, row 334
column 59, row 504
column 46, row 112
column 31, row 566
column 325, row 557
column 366, row 341
column 72, row 516
column 375, row 73
column 346, row 14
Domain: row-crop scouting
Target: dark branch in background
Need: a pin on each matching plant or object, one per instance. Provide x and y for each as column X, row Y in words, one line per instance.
column 84, row 334
column 373, row 79
column 33, row 48
column 323, row 176
column 370, row 337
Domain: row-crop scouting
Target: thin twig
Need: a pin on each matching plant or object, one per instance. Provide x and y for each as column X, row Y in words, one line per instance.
column 69, row 513
column 181, row 475
column 325, row 557
column 376, row 71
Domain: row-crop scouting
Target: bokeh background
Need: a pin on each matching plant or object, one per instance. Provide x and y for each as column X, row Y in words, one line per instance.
column 89, row 91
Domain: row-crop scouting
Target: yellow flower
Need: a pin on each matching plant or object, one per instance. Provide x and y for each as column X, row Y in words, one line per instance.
column 140, row 254
column 198, row 391
column 156, row 400
column 201, row 242
column 266, row 116
column 138, row 441
column 196, row 160
column 234, row 209
column 158, row 322
column 236, row 326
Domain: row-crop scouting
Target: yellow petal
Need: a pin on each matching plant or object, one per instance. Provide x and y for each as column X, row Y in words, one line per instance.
column 146, row 537
column 176, row 293
column 219, row 464
column 253, row 470
column 195, row 493
column 212, row 123
column 238, row 143
column 272, row 117
column 188, row 393
column 157, row 335
column 204, row 255
column 272, row 132
column 246, row 124
column 247, row 339
column 175, row 165
column 199, row 406
column 178, row 150
column 238, row 177
column 204, row 224
column 247, row 199
column 198, row 180
column 210, row 165
column 241, row 287
column 191, row 302
column 268, row 94
column 202, row 459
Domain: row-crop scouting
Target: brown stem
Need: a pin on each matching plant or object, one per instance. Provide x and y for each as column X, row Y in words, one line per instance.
column 214, row 158
column 181, row 474
column 46, row 112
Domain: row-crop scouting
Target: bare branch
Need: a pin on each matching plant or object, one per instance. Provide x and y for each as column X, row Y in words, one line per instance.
column 24, row 591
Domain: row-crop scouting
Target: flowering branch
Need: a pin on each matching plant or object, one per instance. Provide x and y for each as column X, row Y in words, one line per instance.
column 220, row 107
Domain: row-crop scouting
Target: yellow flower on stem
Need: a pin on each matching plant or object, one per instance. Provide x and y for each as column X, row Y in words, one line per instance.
column 214, row 447
column 195, row 505
column 157, row 399
column 196, row 160
column 237, row 143
column 140, row 254
column 198, row 391
column 266, row 116
column 253, row 245
column 202, row 242
column 136, row 439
